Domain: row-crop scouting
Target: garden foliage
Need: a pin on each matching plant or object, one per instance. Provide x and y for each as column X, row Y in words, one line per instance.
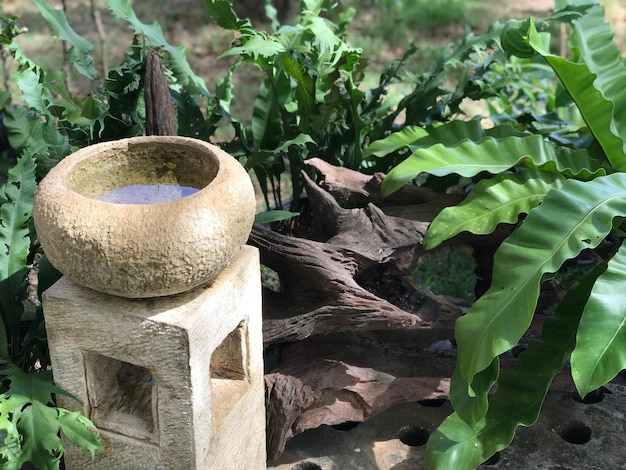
column 557, row 155
column 571, row 186
column 312, row 101
column 30, row 427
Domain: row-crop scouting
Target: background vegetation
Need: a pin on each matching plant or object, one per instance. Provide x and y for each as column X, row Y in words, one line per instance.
column 280, row 96
column 383, row 28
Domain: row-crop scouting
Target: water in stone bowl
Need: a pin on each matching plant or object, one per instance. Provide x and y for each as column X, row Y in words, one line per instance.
column 146, row 216
column 146, row 194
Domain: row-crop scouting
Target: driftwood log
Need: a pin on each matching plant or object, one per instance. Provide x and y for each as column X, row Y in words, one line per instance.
column 339, row 283
column 350, row 333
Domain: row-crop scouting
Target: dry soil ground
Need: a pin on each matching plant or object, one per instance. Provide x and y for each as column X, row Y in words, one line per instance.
column 187, row 23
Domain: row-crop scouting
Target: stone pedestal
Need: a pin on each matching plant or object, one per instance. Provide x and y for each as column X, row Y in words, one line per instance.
column 171, row 382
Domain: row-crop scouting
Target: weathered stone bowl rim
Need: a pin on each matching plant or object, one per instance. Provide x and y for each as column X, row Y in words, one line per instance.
column 144, row 250
column 83, row 156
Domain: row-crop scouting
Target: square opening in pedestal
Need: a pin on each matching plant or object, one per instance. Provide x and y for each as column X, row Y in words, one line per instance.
column 230, row 374
column 122, row 397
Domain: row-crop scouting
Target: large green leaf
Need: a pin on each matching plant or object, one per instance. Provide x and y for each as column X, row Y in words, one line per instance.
column 79, row 53
column 449, row 135
column 224, row 15
column 396, row 141
column 492, row 201
column 601, row 342
column 15, row 213
column 520, row 392
column 470, row 406
column 595, row 82
column 266, row 123
column 268, row 217
column 32, row 136
column 191, row 121
column 25, row 131
column 39, row 428
column 27, row 402
column 79, row 430
column 153, row 35
column 492, row 155
column 304, row 80
column 577, row 216
column 257, row 47
column 33, row 92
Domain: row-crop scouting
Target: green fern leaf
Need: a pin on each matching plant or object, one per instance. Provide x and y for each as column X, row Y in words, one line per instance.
column 79, row 430
column 154, row 37
column 15, row 213
column 395, row 141
column 224, row 15
column 33, row 92
column 41, row 444
column 191, row 122
column 78, row 55
column 266, row 123
column 29, row 405
column 257, row 46
column 577, row 216
column 596, row 82
column 25, row 131
column 305, row 88
column 493, row 155
column 496, row 200
column 600, row 352
column 520, row 393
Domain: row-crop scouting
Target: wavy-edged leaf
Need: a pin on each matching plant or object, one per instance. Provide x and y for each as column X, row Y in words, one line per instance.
column 274, row 216
column 33, row 92
column 469, row 405
column 595, row 82
column 577, row 216
column 79, row 53
column 79, row 430
column 39, row 428
column 520, row 393
column 25, row 131
column 9, row 435
column 600, row 352
column 266, row 123
column 154, row 37
column 191, row 122
column 301, row 140
column 500, row 199
column 494, row 156
column 271, row 158
column 395, row 141
column 28, row 401
column 449, row 134
column 19, row 192
column 257, row 46
column 452, row 133
column 224, row 15
column 304, row 88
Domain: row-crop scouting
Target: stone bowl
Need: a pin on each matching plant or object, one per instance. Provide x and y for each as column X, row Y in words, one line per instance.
column 142, row 244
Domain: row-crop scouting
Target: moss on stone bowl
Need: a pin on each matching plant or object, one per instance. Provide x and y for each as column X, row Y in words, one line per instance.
column 146, row 249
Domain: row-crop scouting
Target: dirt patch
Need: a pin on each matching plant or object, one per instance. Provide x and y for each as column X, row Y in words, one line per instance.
column 188, row 23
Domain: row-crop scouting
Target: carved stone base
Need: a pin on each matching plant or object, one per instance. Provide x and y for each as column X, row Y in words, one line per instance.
column 171, row 382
